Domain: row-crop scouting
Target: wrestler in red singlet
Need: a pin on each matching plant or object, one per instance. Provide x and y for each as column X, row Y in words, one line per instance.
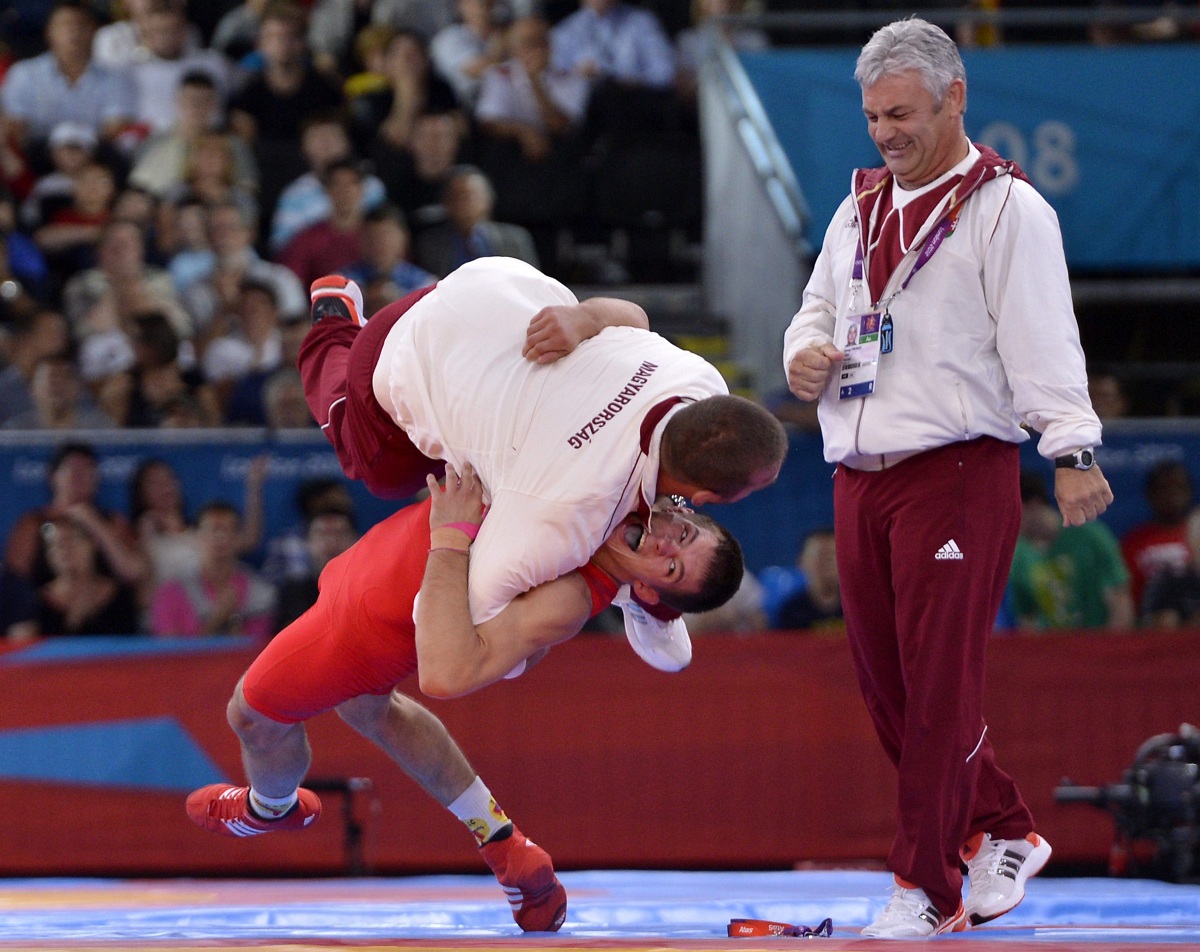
column 359, row 638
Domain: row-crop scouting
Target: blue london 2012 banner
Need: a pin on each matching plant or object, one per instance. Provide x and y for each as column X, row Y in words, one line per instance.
column 1109, row 135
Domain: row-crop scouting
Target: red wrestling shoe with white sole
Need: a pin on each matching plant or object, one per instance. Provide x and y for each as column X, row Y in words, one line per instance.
column 526, row 873
column 225, row 809
column 339, row 297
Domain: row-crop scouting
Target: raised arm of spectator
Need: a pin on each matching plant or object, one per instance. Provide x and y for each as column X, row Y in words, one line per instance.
column 117, row 542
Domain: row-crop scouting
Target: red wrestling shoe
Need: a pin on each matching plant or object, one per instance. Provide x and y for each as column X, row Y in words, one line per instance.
column 225, row 809
column 526, row 873
column 336, row 296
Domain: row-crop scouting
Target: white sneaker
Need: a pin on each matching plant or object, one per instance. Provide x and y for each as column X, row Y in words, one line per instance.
column 997, row 872
column 910, row 915
column 665, row 645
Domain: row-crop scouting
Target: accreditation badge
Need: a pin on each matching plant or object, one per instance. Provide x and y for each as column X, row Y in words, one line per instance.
column 861, row 361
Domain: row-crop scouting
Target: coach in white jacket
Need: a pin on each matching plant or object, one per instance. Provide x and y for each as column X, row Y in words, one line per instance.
column 937, row 320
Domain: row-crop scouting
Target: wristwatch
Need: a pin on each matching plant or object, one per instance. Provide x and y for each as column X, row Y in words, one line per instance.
column 1080, row 459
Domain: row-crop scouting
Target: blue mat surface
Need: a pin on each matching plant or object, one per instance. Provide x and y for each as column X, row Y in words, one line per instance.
column 603, row 906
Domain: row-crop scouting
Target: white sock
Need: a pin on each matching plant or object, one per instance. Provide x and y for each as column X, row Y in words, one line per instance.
column 477, row 808
column 272, row 808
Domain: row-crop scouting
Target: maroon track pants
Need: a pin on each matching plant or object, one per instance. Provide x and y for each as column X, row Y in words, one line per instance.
column 918, row 619
column 337, row 363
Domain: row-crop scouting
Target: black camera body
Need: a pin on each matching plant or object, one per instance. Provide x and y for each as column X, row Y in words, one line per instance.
column 1155, row 807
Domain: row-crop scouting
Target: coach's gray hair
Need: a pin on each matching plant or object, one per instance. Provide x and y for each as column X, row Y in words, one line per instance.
column 911, row 44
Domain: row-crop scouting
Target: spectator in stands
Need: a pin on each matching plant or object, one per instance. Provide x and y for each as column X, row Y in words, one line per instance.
column 416, row 177
column 161, row 164
column 386, row 243
column 236, row 33
column 140, row 207
column 59, row 401
column 288, row 556
column 34, row 337
column 70, row 232
column 168, row 58
column 330, row 532
column 284, row 403
column 413, row 90
column 226, row 598
column 702, row 39
column 530, row 117
column 104, row 363
column 272, row 105
column 183, row 413
column 18, row 608
column 627, row 57
column 157, row 510
column 1160, row 544
column 24, row 273
column 335, row 242
column 525, row 100
column 216, row 275
column 1108, row 396
column 159, row 514
column 250, row 404
column 72, row 146
column 469, row 232
column 370, row 49
column 253, row 344
column 16, row 173
column 611, row 40
column 818, row 605
column 158, row 379
column 80, row 598
column 120, row 44
column 1070, row 577
column 63, row 84
column 211, row 174
column 121, row 286
column 1172, row 598
column 305, row 201
column 462, row 51
column 74, row 479
column 181, row 233
column 333, row 25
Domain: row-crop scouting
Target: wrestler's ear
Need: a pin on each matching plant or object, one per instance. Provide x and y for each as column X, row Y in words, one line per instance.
column 645, row 593
column 702, row 497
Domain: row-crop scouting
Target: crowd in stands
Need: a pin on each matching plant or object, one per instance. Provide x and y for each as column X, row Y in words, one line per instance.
column 172, row 178
column 163, row 567
column 173, row 175
column 160, row 568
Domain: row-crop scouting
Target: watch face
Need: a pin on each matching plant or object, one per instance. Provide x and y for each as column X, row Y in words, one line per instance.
column 1086, row 459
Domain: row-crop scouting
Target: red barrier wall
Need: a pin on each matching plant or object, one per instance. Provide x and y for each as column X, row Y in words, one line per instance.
column 759, row 755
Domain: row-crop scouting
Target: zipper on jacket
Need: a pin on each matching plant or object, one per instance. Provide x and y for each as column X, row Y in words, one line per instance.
column 962, row 409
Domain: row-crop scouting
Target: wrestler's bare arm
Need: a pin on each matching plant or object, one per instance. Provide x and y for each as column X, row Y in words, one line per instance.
column 557, row 330
column 455, row 656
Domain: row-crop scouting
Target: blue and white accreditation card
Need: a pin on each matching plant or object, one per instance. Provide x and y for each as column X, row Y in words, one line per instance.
column 861, row 361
